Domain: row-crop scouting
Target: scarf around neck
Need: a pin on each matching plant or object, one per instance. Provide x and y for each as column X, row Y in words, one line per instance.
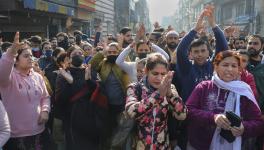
column 236, row 88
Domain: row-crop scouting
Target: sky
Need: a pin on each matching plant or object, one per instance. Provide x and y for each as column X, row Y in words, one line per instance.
column 160, row 8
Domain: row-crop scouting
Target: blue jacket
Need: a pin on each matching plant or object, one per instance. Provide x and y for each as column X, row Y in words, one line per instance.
column 191, row 74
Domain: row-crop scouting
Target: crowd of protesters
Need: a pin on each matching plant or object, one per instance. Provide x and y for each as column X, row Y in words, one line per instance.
column 159, row 91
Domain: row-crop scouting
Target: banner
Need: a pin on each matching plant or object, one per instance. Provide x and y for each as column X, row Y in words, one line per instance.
column 87, row 4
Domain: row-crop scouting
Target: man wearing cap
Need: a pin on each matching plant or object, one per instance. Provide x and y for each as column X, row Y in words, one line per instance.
column 172, row 41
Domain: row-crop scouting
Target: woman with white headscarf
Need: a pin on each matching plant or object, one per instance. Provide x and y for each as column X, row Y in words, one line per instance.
column 210, row 101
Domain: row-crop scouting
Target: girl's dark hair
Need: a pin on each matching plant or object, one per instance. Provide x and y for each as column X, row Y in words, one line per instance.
column 61, row 58
column 71, row 49
column 57, row 51
column 19, row 52
column 154, row 59
column 224, row 54
column 44, row 43
column 25, row 47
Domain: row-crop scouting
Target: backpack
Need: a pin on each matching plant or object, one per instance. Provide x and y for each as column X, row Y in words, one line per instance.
column 126, row 129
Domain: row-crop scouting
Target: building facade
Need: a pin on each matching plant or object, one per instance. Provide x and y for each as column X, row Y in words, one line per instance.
column 125, row 14
column 246, row 14
column 105, row 15
column 185, row 15
column 44, row 17
column 142, row 14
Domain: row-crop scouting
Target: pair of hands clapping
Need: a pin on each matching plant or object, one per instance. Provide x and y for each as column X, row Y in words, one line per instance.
column 165, row 86
column 209, row 13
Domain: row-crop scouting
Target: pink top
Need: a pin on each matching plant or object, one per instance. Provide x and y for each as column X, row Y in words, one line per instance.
column 24, row 97
column 4, row 125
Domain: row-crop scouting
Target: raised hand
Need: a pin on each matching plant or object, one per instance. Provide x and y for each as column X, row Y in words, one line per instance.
column 69, row 22
column 88, row 73
column 120, row 40
column 199, row 24
column 67, row 75
column 169, row 79
column 209, row 12
column 165, row 86
column 141, row 32
column 16, row 45
column 229, row 31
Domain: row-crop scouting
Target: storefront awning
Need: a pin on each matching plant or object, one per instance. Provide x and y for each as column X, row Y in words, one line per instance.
column 49, row 7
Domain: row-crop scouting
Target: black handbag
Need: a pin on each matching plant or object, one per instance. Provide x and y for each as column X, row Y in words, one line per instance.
column 235, row 121
column 126, row 128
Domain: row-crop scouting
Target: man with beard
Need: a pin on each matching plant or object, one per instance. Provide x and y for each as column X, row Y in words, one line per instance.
column 172, row 41
column 240, row 43
column 127, row 34
column 254, row 46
